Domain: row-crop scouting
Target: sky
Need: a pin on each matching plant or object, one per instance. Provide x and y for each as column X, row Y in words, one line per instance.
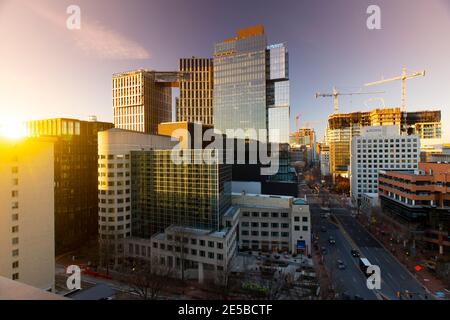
column 48, row 70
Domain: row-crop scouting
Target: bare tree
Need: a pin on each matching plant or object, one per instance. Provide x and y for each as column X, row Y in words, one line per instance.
column 146, row 279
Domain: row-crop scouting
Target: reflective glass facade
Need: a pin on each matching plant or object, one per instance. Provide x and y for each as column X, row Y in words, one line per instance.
column 278, row 129
column 240, row 83
column 165, row 193
column 278, row 102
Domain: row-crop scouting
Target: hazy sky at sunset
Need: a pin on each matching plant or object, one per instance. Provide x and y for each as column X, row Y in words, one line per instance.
column 47, row 70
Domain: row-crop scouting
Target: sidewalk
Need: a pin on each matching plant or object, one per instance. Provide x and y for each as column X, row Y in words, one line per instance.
column 392, row 238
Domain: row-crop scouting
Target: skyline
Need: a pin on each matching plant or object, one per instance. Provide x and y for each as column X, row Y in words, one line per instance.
column 75, row 76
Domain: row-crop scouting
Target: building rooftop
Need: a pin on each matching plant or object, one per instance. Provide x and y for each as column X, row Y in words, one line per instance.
column 13, row 290
column 97, row 292
column 300, row 202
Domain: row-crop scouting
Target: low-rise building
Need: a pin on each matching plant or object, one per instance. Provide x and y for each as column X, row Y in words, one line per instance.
column 421, row 199
column 369, row 203
column 273, row 223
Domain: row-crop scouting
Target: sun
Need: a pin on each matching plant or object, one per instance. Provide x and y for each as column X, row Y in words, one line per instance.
column 12, row 129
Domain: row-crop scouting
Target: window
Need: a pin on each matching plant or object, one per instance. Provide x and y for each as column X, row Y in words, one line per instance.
column 15, row 229
column 305, row 219
column 15, row 241
column 15, row 276
column 15, row 252
column 15, row 264
column 305, row 228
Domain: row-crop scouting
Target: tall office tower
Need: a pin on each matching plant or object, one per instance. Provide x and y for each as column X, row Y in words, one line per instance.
column 277, row 64
column 27, row 238
column 142, row 99
column 242, row 77
column 195, row 103
column 76, row 201
column 114, row 184
column 165, row 193
column 380, row 148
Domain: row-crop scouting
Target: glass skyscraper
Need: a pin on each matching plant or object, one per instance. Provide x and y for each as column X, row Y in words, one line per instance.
column 165, row 193
column 251, row 85
column 278, row 93
column 240, row 81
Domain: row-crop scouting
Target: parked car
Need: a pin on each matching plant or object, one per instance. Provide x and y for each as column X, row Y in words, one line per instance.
column 341, row 265
column 355, row 253
column 323, row 250
column 323, row 229
column 331, row 240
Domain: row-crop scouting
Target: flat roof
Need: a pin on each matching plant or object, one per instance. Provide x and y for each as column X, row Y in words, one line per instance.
column 300, row 202
column 97, row 292
column 14, row 290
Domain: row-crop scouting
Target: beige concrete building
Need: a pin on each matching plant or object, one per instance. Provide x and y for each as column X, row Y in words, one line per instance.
column 273, row 223
column 114, row 183
column 195, row 103
column 27, row 236
column 142, row 99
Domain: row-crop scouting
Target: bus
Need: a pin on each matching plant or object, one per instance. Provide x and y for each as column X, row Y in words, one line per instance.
column 363, row 265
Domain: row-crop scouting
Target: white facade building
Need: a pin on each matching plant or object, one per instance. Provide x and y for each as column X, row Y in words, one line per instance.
column 273, row 223
column 324, row 159
column 27, row 229
column 114, row 183
column 379, row 148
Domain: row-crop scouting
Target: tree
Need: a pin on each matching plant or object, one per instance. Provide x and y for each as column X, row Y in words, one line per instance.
column 146, row 278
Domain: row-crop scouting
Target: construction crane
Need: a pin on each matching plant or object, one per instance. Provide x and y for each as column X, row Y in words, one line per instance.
column 335, row 94
column 403, row 77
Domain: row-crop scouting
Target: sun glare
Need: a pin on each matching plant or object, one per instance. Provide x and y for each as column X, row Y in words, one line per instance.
column 12, row 129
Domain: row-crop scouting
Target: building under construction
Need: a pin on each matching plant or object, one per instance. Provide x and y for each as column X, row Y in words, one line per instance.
column 342, row 127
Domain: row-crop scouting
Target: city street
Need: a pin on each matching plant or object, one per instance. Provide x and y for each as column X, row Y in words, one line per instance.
column 349, row 234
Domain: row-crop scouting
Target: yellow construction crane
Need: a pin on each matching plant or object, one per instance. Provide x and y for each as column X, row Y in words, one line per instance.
column 335, row 94
column 403, row 77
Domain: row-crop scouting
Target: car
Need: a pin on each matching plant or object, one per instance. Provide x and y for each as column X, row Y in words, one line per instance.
column 358, row 297
column 341, row 265
column 323, row 229
column 323, row 250
column 331, row 240
column 355, row 253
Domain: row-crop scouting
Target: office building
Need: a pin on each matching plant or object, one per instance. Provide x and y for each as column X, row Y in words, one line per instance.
column 187, row 194
column 142, row 99
column 273, row 223
column 278, row 102
column 76, row 201
column 251, row 85
column 27, row 236
column 195, row 102
column 114, row 184
column 420, row 200
column 380, row 148
column 343, row 127
column 324, row 156
column 189, row 134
